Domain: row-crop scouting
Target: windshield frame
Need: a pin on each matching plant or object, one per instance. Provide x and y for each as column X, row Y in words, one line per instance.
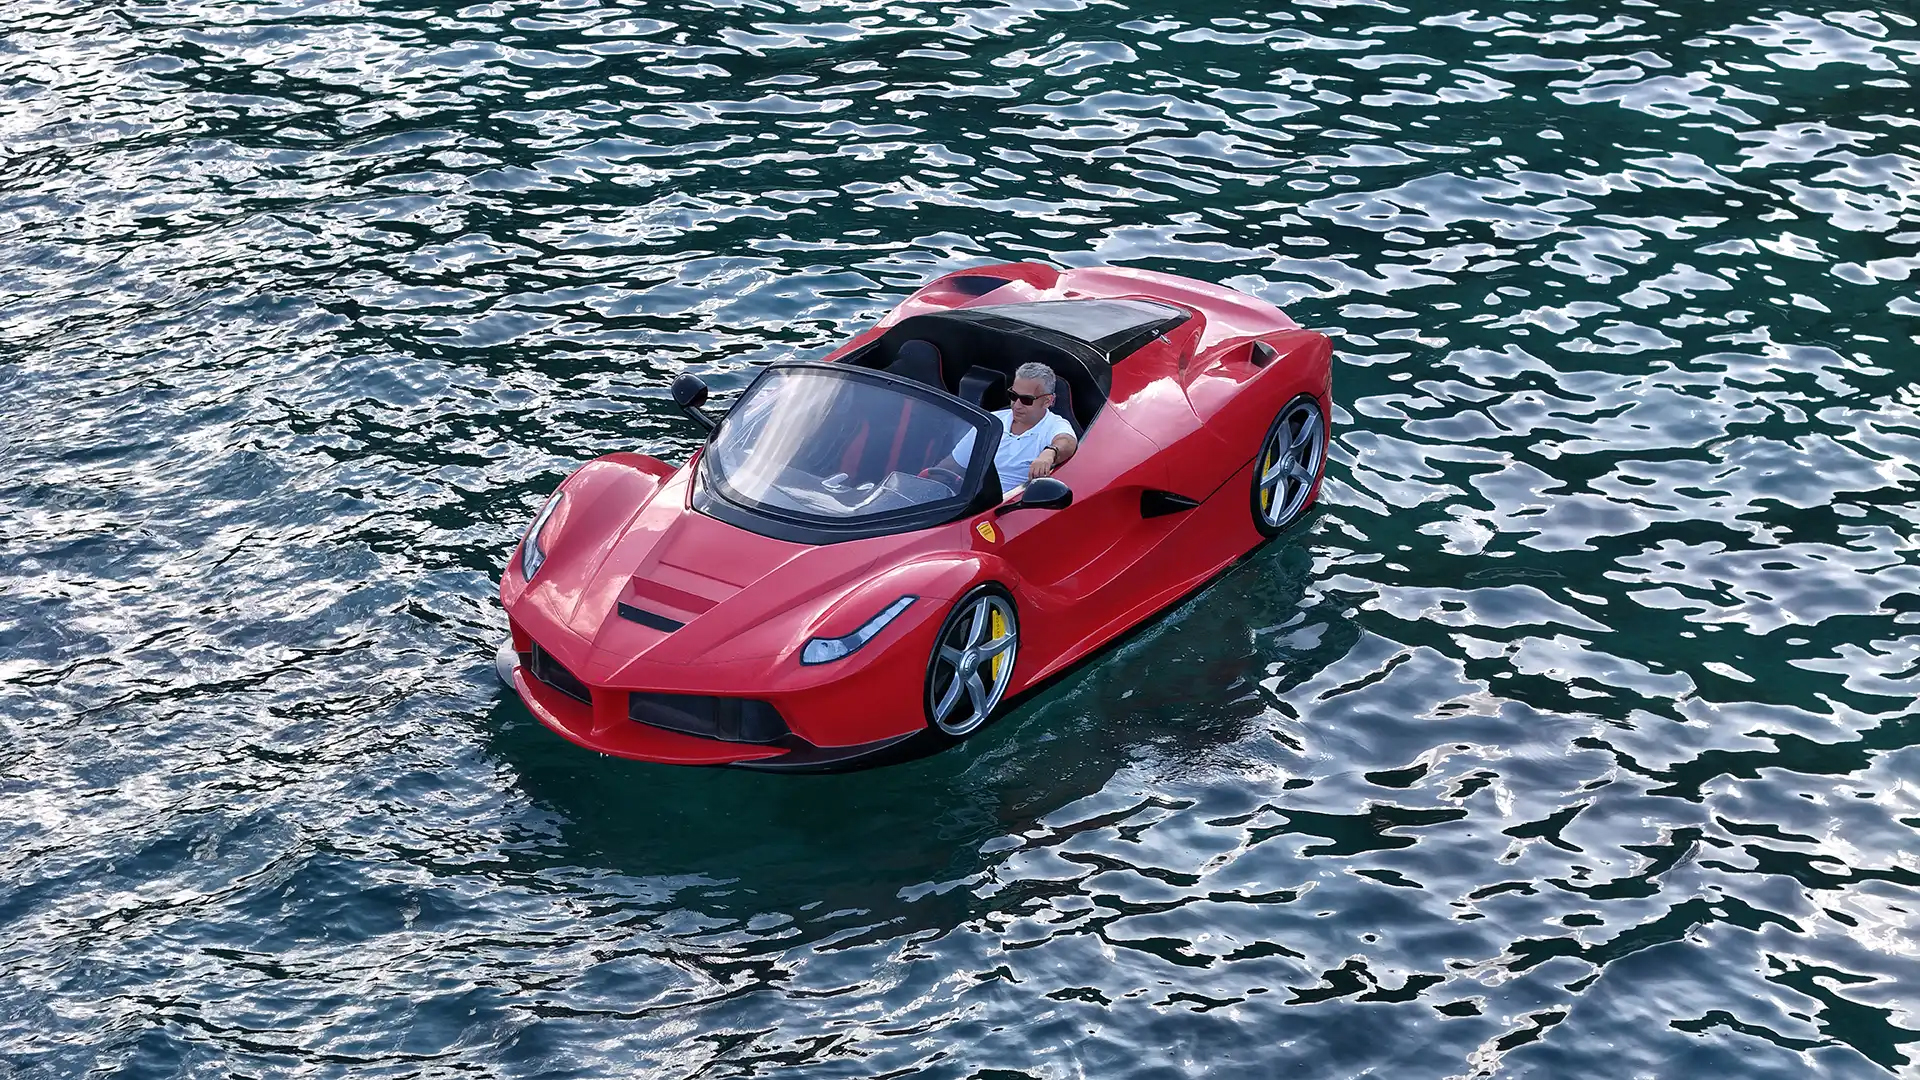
column 980, row 489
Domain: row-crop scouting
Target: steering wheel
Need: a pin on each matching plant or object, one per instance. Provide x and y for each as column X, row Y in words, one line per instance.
column 945, row 476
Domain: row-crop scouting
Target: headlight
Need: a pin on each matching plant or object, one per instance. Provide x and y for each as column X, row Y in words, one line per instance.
column 531, row 553
column 826, row 650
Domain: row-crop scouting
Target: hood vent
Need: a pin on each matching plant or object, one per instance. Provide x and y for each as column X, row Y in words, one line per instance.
column 649, row 619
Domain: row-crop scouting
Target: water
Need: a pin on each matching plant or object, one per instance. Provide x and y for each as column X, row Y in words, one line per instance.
column 1572, row 737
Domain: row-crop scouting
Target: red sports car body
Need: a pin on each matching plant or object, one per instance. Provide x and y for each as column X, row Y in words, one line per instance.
column 813, row 588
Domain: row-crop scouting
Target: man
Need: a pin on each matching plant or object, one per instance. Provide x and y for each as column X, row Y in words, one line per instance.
column 1034, row 440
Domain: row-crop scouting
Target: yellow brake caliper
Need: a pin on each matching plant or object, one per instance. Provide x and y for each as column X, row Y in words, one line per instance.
column 999, row 630
column 1266, row 493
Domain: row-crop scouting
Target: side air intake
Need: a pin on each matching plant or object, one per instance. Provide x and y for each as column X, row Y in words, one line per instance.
column 1156, row 503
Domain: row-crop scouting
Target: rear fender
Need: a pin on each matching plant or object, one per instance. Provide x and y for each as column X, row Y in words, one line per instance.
column 1235, row 398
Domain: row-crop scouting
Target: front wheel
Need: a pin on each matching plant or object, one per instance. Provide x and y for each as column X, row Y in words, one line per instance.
column 972, row 662
column 1287, row 473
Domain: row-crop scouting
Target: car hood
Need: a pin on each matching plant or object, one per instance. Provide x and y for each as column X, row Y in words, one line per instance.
column 734, row 594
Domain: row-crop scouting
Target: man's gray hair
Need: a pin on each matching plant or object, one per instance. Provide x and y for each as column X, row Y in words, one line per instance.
column 1039, row 373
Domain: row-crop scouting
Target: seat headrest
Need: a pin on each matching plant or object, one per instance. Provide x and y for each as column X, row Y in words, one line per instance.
column 920, row 361
column 984, row 386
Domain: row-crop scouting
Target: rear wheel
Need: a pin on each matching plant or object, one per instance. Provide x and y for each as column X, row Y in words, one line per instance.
column 1287, row 473
column 972, row 662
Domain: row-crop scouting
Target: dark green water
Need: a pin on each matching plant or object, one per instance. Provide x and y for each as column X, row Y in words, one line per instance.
column 1573, row 737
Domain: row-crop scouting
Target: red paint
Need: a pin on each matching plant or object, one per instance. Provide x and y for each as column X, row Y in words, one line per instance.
column 1186, row 413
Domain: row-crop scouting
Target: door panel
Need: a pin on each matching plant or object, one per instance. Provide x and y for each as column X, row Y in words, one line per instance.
column 1080, row 549
column 1078, row 566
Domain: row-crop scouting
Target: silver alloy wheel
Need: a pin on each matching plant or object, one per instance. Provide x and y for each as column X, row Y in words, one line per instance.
column 1290, row 463
column 972, row 663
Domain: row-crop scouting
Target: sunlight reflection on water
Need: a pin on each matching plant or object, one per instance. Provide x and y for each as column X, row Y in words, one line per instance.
column 1573, row 736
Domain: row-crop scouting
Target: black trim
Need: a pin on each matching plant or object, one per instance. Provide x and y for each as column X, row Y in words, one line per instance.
column 541, row 665
column 1156, row 503
column 804, row 757
column 1041, row 493
column 991, row 491
column 724, row 719
column 981, row 482
column 1120, row 346
column 648, row 618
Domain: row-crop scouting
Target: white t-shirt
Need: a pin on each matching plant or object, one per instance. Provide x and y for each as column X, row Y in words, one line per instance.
column 1016, row 452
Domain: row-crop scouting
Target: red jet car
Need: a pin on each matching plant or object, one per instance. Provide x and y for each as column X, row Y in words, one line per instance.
column 815, row 589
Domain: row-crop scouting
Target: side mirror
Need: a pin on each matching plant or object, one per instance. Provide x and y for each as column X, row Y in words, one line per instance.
column 1045, row 493
column 690, row 392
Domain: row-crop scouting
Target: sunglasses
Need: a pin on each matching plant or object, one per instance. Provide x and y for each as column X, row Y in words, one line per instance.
column 1028, row 399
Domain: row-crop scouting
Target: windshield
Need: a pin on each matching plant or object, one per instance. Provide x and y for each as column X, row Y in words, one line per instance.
column 834, row 446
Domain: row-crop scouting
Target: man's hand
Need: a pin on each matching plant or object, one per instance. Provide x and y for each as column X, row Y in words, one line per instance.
column 1053, row 456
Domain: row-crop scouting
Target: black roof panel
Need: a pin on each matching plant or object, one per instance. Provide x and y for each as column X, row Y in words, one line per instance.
column 1105, row 324
column 1080, row 340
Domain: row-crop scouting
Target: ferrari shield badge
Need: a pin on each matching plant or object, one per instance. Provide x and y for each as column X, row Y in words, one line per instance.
column 987, row 533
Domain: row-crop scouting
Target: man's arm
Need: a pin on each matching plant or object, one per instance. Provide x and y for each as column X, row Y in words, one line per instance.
column 956, row 461
column 1054, row 455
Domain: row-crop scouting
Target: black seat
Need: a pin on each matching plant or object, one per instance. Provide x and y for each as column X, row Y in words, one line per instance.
column 1063, row 406
column 920, row 430
column 985, row 387
column 978, row 338
column 920, row 361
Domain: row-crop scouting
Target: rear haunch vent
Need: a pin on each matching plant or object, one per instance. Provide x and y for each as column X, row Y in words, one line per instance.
column 976, row 284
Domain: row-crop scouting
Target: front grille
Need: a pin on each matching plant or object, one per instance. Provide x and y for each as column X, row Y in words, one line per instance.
column 726, row 718
column 554, row 674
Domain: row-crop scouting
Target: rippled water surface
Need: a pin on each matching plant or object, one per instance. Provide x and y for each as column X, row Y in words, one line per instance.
column 1573, row 736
